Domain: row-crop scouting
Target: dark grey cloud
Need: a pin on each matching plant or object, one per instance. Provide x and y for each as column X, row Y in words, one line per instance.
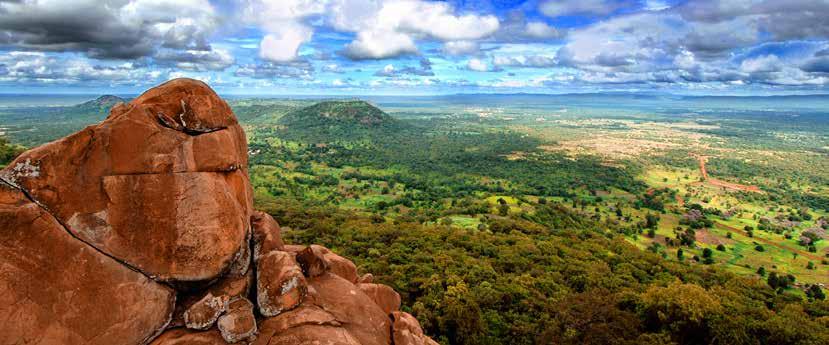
column 109, row 29
column 820, row 64
column 783, row 19
column 195, row 60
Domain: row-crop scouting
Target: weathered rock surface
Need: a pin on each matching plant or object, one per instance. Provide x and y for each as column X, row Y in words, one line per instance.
column 280, row 285
column 316, row 259
column 383, row 295
column 335, row 311
column 228, row 287
column 367, row 278
column 266, row 233
column 204, row 313
column 169, row 203
column 407, row 330
column 141, row 230
column 183, row 336
column 55, row 289
column 238, row 323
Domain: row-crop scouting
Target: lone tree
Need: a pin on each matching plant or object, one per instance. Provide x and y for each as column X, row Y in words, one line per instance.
column 707, row 256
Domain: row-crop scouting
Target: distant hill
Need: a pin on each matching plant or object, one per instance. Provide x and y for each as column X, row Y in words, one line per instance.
column 339, row 120
column 104, row 102
column 32, row 126
column 349, row 113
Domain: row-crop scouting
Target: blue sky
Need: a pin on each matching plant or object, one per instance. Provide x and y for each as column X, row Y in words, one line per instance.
column 416, row 47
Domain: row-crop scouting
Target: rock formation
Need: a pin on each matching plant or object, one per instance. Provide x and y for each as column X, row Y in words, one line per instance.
column 141, row 230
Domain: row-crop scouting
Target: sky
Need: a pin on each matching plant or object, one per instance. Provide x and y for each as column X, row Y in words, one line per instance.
column 417, row 47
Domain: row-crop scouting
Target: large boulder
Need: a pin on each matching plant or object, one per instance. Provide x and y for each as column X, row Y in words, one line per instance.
column 55, row 289
column 141, row 230
column 161, row 185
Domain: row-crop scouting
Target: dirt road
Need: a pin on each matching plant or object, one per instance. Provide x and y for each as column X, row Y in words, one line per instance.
column 720, row 183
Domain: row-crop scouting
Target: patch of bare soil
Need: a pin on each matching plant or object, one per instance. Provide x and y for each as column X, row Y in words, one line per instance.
column 705, row 236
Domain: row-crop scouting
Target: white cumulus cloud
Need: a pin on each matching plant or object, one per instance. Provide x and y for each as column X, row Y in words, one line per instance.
column 379, row 45
column 461, row 47
column 477, row 65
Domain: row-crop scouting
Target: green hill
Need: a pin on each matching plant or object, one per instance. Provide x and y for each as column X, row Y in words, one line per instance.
column 105, row 101
column 32, row 126
column 339, row 120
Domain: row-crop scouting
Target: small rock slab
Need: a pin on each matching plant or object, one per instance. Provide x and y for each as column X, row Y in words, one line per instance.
column 238, row 323
column 280, row 285
column 204, row 313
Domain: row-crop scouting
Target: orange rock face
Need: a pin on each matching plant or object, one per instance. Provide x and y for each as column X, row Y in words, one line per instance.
column 407, row 330
column 280, row 285
column 238, row 323
column 55, row 289
column 141, row 230
column 174, row 203
column 266, row 233
column 382, row 295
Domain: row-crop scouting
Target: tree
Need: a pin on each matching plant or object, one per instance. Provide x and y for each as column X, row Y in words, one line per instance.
column 680, row 254
column 815, row 292
column 707, row 255
column 651, row 221
column 773, row 280
column 761, row 271
column 8, row 152
column 721, row 247
column 681, row 308
column 503, row 209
